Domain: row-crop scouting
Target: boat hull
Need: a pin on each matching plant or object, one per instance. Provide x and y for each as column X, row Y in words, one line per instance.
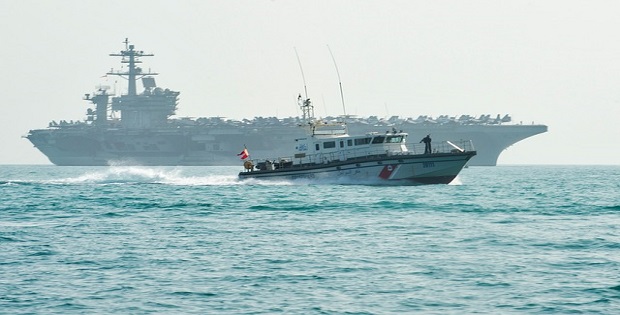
column 405, row 169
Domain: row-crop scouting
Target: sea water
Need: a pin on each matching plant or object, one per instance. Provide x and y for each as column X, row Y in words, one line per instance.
column 196, row 240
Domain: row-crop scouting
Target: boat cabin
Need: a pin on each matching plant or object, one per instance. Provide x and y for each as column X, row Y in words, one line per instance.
column 341, row 147
column 328, row 142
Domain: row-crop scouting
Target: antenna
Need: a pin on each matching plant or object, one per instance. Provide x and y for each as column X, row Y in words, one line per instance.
column 339, row 81
column 302, row 72
column 307, row 110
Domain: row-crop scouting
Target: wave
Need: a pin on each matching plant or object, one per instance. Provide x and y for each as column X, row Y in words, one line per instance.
column 130, row 175
column 148, row 175
column 121, row 174
column 456, row 181
column 16, row 182
column 198, row 176
column 612, row 208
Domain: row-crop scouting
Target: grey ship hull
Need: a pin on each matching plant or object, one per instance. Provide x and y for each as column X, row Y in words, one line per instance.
column 145, row 134
column 88, row 145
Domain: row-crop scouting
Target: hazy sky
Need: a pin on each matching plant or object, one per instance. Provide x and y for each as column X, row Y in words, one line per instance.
column 551, row 62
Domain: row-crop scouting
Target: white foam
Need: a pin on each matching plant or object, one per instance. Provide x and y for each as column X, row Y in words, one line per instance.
column 197, row 176
column 456, row 181
column 121, row 174
column 141, row 174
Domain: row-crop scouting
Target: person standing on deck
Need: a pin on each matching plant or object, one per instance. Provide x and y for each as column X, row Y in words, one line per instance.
column 427, row 144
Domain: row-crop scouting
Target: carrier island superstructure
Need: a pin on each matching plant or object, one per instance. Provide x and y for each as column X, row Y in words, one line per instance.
column 137, row 129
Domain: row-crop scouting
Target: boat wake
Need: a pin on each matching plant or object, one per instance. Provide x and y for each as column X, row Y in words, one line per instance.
column 145, row 175
column 135, row 175
column 456, row 181
column 180, row 177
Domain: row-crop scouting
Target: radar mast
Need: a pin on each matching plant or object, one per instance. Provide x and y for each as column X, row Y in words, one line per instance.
column 131, row 57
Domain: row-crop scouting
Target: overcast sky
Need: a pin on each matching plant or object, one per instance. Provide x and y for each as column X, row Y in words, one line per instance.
column 550, row 62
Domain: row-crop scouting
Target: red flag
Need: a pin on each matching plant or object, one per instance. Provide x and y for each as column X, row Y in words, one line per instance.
column 244, row 154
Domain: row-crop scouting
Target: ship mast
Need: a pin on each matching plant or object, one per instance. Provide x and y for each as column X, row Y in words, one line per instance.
column 311, row 125
column 307, row 109
column 131, row 57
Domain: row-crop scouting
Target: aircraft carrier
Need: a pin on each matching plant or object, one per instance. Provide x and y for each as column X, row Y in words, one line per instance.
column 137, row 129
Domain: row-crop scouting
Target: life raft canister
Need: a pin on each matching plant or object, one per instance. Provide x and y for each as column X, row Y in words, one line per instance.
column 248, row 165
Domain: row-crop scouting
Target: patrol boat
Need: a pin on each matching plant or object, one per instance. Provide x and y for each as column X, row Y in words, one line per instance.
column 329, row 152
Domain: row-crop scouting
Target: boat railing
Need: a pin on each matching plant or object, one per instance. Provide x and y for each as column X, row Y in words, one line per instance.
column 442, row 147
column 301, row 160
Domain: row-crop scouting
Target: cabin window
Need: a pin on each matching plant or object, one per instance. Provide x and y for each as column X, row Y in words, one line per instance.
column 349, row 143
column 329, row 144
column 317, row 146
column 342, row 144
column 378, row 139
column 362, row 141
column 394, row 139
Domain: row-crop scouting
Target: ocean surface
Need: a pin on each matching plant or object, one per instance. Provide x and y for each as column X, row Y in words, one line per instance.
column 195, row 240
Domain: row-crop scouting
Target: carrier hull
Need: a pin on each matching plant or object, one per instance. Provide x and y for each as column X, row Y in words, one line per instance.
column 214, row 145
column 136, row 128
